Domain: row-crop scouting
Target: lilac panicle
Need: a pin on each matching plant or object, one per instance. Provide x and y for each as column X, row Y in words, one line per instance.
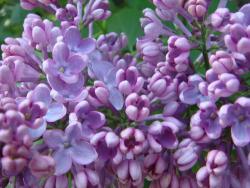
column 82, row 109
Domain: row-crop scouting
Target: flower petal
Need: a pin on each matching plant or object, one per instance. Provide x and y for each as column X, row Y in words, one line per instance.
column 116, row 98
column 54, row 138
column 87, row 45
column 60, row 52
column 38, row 132
column 83, row 153
column 240, row 134
column 63, row 161
column 72, row 37
column 55, row 112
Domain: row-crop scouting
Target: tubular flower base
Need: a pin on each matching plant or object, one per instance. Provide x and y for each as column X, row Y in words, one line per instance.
column 81, row 110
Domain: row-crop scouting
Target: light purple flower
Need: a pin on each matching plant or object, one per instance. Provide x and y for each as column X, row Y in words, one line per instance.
column 68, row 148
column 162, row 135
column 207, row 118
column 57, row 182
column 68, row 13
column 88, row 116
column 137, row 107
column 72, row 38
column 151, row 51
column 226, row 85
column 237, row 117
column 197, row 8
column 186, row 154
column 129, row 173
column 87, row 178
column 163, row 86
column 129, row 81
column 191, row 92
column 132, row 142
column 216, row 162
column 154, row 166
column 64, row 71
column 40, row 33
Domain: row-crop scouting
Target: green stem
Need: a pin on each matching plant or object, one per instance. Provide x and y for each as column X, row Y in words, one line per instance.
column 204, row 46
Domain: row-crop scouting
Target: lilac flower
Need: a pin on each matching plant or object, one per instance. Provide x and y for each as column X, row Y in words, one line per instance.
column 178, row 53
column 129, row 80
column 129, row 173
column 151, row 51
column 112, row 43
column 86, row 178
column 98, row 94
column 220, row 19
column 106, row 143
column 154, row 166
column 163, row 86
column 152, row 25
column 133, row 142
column 41, row 165
column 72, row 38
column 168, row 179
column 57, row 182
column 186, row 154
column 96, row 10
column 197, row 8
column 226, row 85
column 162, row 135
column 41, row 34
column 137, row 107
column 237, row 117
column 55, row 110
column 207, row 118
column 106, row 72
column 68, row 13
column 68, row 148
column 216, row 162
column 64, row 71
column 191, row 92
column 238, row 38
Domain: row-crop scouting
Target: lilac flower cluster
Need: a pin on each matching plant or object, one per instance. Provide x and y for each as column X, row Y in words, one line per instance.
column 76, row 111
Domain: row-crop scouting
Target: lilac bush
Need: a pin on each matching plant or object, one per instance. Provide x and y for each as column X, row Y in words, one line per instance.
column 81, row 110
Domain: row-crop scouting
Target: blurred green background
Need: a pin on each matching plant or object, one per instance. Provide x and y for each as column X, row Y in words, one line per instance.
column 125, row 18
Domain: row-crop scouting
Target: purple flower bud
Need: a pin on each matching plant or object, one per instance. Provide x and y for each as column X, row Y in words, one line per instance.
column 208, row 119
column 166, row 4
column 98, row 94
column 168, row 179
column 220, row 19
column 151, row 51
column 130, row 172
column 137, row 107
column 236, row 115
column 129, row 81
column 163, row 86
column 162, row 135
column 197, row 8
column 226, row 85
column 222, row 62
column 204, row 179
column 187, row 182
column 112, row 42
column 132, row 142
column 186, row 154
column 96, row 10
column 106, row 144
column 15, row 158
column 68, row 13
column 154, row 166
column 86, row 178
column 40, row 34
column 216, row 162
column 41, row 165
column 28, row 4
column 57, row 182
column 151, row 24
